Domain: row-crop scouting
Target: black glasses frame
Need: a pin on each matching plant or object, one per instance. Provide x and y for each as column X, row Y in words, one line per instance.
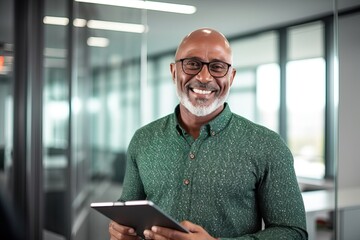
column 202, row 65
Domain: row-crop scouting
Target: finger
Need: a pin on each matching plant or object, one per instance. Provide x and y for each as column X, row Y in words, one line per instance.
column 196, row 230
column 167, row 233
column 120, row 236
column 191, row 226
column 152, row 235
column 117, row 235
column 122, row 229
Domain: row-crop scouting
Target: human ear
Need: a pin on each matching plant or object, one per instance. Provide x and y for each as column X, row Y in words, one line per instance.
column 232, row 75
column 172, row 70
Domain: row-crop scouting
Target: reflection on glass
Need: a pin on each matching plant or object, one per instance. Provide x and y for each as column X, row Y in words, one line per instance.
column 6, row 113
column 6, row 95
column 56, row 113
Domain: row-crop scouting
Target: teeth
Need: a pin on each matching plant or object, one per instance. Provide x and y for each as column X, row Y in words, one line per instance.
column 199, row 91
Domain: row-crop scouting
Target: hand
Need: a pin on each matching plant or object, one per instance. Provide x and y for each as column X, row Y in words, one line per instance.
column 195, row 232
column 120, row 232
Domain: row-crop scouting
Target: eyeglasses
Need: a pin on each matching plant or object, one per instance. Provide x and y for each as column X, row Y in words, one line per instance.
column 193, row 66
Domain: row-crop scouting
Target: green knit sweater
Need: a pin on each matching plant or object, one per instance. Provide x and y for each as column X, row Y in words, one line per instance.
column 233, row 176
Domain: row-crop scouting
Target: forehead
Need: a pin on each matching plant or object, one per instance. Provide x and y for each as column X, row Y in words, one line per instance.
column 206, row 53
column 206, row 48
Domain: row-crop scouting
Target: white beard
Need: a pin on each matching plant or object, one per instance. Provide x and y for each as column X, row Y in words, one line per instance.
column 200, row 110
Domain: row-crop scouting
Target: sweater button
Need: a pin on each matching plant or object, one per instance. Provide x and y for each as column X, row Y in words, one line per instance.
column 186, row 181
column 192, row 155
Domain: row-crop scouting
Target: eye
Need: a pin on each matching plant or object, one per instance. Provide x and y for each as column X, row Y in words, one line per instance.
column 192, row 64
column 218, row 66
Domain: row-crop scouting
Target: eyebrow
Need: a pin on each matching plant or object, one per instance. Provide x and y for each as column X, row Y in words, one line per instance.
column 200, row 59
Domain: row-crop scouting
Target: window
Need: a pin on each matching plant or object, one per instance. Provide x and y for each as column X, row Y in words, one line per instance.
column 255, row 91
column 161, row 88
column 305, row 98
column 268, row 95
column 256, row 94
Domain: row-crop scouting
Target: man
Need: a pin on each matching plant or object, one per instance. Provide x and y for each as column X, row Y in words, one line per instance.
column 217, row 171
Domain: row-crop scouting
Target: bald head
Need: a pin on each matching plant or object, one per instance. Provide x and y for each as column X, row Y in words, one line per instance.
column 206, row 42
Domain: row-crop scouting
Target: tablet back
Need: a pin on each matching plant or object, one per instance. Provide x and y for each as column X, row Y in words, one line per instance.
column 139, row 215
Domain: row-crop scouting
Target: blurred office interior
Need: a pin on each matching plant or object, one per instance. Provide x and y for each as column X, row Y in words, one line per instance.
column 78, row 78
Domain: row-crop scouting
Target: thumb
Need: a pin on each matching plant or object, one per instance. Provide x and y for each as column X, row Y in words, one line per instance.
column 192, row 227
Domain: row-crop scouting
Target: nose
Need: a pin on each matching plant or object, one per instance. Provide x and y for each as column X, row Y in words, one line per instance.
column 204, row 74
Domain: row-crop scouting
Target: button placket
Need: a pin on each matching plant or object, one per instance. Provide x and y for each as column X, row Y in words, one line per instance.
column 191, row 164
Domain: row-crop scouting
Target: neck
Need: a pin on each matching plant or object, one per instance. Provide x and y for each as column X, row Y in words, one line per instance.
column 192, row 123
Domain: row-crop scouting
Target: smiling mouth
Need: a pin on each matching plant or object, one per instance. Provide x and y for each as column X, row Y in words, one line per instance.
column 201, row 91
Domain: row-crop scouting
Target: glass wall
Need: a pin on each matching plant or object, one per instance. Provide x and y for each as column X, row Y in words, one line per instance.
column 6, row 95
column 56, row 115
column 91, row 109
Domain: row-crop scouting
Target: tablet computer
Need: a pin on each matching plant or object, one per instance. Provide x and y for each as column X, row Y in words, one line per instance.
column 139, row 215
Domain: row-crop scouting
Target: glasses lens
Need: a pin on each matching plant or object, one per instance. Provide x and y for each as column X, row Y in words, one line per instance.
column 218, row 69
column 192, row 66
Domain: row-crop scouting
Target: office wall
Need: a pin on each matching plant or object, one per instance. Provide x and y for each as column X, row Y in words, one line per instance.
column 349, row 109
